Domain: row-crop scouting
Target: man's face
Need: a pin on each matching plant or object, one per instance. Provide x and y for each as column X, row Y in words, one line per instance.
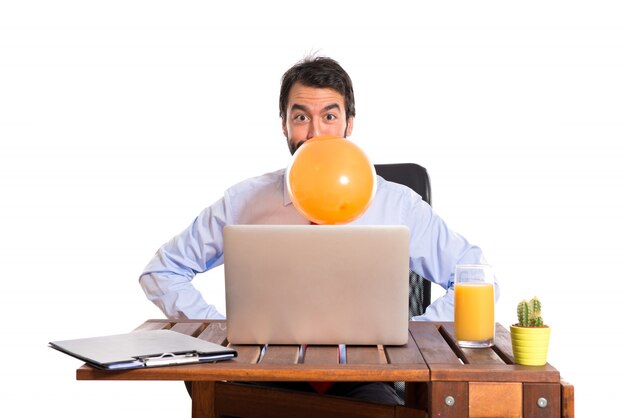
column 312, row 112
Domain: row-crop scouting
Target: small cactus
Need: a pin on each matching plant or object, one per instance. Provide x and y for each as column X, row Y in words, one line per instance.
column 529, row 313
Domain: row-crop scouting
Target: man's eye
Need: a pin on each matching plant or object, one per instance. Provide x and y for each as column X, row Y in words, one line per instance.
column 300, row 118
column 330, row 116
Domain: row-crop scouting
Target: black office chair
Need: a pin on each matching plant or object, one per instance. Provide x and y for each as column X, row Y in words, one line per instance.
column 416, row 177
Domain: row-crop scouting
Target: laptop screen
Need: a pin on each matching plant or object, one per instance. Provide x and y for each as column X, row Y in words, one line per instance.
column 303, row 284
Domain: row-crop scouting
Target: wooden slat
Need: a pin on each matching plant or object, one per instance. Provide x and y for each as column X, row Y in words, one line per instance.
column 404, row 354
column 493, row 373
column 280, row 354
column 365, row 355
column 503, row 344
column 551, row 392
column 439, row 391
column 495, row 400
column 321, row 354
column 189, row 328
column 567, row 400
column 481, row 356
column 431, row 344
column 215, row 332
column 470, row 355
column 152, row 325
column 246, row 354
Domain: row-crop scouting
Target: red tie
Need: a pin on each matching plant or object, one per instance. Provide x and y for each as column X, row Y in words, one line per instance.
column 321, row 387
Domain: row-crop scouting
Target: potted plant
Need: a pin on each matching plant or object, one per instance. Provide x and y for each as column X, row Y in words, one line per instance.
column 530, row 337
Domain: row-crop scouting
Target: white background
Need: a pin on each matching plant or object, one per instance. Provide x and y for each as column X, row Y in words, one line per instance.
column 121, row 120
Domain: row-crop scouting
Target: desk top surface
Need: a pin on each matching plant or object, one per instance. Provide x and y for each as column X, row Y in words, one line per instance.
column 430, row 355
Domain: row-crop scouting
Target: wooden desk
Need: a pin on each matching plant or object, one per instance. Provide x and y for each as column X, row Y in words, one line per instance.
column 445, row 380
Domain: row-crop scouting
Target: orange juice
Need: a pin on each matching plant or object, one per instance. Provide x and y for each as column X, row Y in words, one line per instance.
column 473, row 311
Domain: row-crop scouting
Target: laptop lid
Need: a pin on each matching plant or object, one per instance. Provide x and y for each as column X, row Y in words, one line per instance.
column 306, row 284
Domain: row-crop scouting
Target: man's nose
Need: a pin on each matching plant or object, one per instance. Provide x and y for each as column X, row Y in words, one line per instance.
column 314, row 128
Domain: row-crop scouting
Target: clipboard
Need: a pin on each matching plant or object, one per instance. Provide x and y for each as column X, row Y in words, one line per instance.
column 141, row 349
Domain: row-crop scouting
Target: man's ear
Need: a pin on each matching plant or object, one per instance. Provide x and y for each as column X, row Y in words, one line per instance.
column 284, row 124
column 349, row 126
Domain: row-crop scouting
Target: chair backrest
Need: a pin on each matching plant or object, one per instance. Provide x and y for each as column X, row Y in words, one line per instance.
column 415, row 177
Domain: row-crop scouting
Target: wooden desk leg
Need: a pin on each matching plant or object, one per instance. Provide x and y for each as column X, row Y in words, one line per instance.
column 542, row 400
column 448, row 399
column 567, row 400
column 203, row 400
column 416, row 395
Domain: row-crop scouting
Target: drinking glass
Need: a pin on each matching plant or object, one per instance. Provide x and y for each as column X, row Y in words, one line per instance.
column 474, row 300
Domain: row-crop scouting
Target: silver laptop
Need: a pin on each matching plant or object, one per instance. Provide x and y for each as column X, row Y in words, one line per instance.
column 307, row 284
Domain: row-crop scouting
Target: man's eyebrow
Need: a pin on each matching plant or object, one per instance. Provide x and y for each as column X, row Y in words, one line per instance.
column 297, row 106
column 332, row 106
column 304, row 108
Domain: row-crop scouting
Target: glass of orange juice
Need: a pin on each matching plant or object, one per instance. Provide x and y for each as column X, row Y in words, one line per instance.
column 474, row 300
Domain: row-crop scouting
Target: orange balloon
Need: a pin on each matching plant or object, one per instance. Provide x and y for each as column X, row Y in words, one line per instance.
column 331, row 180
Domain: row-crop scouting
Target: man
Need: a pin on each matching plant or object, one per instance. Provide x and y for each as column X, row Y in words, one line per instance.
column 316, row 98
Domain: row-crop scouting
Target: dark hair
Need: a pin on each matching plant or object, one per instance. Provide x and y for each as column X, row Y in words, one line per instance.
column 321, row 72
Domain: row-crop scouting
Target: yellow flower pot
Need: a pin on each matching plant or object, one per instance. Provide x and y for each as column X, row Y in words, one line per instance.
column 530, row 345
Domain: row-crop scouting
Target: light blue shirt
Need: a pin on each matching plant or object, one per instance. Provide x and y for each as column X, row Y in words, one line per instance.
column 434, row 250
